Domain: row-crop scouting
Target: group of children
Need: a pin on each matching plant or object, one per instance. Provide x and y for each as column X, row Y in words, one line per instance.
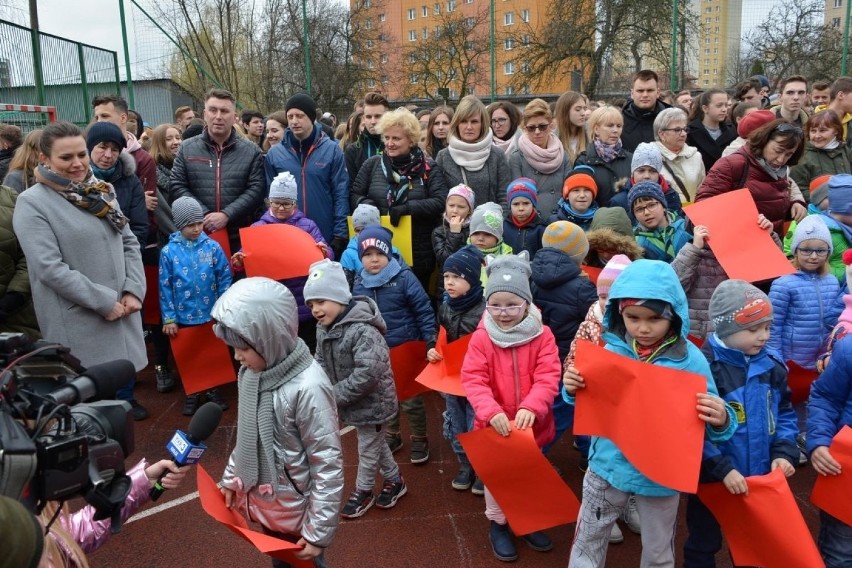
column 518, row 285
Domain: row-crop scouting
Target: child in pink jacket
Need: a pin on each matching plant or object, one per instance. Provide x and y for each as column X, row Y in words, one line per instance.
column 511, row 373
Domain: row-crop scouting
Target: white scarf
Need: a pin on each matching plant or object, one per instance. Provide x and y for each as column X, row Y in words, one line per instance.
column 473, row 156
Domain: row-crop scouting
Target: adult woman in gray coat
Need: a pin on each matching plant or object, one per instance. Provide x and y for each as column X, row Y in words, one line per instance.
column 85, row 266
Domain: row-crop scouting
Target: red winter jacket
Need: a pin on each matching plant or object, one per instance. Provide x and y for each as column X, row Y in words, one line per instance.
column 771, row 196
column 498, row 379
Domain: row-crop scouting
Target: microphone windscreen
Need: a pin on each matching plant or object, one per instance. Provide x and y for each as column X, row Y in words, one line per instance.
column 204, row 422
column 110, row 376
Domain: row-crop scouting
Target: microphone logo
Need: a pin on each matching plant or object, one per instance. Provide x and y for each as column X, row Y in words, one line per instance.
column 183, row 450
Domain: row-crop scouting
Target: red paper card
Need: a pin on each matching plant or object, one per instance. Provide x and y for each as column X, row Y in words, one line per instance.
column 213, row 503
column 445, row 376
column 833, row 493
column 799, row 379
column 221, row 237
column 151, row 304
column 764, row 528
column 278, row 251
column 529, row 491
column 592, row 272
column 407, row 361
column 203, row 361
column 732, row 220
column 647, row 410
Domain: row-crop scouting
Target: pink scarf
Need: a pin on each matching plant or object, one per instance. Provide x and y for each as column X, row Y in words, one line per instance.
column 543, row 160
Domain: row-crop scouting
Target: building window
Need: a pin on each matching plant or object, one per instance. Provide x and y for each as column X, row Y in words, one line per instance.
column 508, row 68
column 384, row 58
column 425, row 12
column 525, row 15
column 369, row 44
column 509, row 91
column 525, row 67
column 368, row 4
column 412, row 14
column 412, row 35
column 382, row 17
column 468, row 2
column 412, row 58
column 526, row 89
column 451, row 6
column 525, row 40
column 368, row 23
column 508, row 18
column 425, row 33
column 838, row 3
column 412, row 78
column 835, row 23
column 436, row 9
column 384, row 79
column 508, row 44
column 371, row 83
column 469, row 23
column 706, row 72
column 370, row 64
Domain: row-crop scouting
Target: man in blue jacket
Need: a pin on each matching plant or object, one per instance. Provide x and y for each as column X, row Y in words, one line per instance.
column 317, row 163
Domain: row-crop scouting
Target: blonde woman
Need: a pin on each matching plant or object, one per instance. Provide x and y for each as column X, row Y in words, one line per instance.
column 471, row 158
column 540, row 156
column 23, row 164
column 606, row 154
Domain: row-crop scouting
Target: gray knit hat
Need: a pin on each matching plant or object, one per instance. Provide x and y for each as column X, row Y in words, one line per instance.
column 283, row 187
column 487, row 218
column 365, row 214
column 737, row 305
column 186, row 211
column 647, row 154
column 327, row 281
column 509, row 273
column 811, row 227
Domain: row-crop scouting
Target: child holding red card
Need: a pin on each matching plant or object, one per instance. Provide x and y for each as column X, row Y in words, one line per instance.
column 646, row 319
column 511, row 373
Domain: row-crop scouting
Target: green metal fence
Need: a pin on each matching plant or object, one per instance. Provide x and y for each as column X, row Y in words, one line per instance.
column 43, row 69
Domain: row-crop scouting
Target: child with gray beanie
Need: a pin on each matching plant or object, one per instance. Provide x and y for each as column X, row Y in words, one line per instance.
column 351, row 348
column 747, row 375
column 647, row 165
column 486, row 232
column 511, row 373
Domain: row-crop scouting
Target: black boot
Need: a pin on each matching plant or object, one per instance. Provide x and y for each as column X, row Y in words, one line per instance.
column 501, row 543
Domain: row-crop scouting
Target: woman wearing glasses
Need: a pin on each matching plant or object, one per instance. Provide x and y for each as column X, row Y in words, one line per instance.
column 471, row 158
column 540, row 156
column 505, row 118
column 762, row 166
column 683, row 167
column 709, row 130
column 605, row 153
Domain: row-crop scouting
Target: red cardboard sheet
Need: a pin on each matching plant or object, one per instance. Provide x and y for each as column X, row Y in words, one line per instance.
column 445, row 376
column 151, row 302
column 407, row 361
column 203, row 361
column 799, row 379
column 743, row 249
column 213, row 503
column 530, row 492
column 649, row 411
column 764, row 528
column 833, row 493
column 593, row 273
column 278, row 251
column 221, row 237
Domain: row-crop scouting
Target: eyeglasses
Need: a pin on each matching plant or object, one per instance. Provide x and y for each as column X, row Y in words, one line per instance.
column 537, row 128
column 650, row 208
column 499, row 120
column 510, row 311
column 787, row 128
column 288, row 204
column 809, row 252
column 675, row 130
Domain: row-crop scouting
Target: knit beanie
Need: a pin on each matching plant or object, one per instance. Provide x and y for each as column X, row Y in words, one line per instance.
column 647, row 154
column 487, row 218
column 509, row 273
column 840, row 194
column 819, row 189
column 104, row 132
column 737, row 305
column 466, row 263
column 22, row 537
column 283, row 187
column 567, row 237
column 754, row 120
column 811, row 227
column 375, row 236
column 304, row 103
column 464, row 191
column 646, row 189
column 327, row 281
column 581, row 176
column 522, row 187
column 610, row 272
column 365, row 214
column 186, row 211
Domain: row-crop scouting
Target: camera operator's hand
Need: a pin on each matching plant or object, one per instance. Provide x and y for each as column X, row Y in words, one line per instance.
column 118, row 311
column 174, row 473
column 131, row 303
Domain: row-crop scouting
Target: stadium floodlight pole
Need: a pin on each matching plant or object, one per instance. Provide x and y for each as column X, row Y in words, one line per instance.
column 673, row 73
column 493, row 60
column 131, row 100
column 845, row 42
column 307, row 47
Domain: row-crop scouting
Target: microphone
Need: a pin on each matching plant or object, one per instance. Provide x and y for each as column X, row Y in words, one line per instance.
column 100, row 381
column 186, row 448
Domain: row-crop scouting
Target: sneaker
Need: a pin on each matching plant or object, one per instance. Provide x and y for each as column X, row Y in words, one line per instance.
column 419, row 449
column 630, row 515
column 358, row 504
column 464, row 478
column 616, row 536
column 800, row 442
column 214, row 396
column 501, row 542
column 391, row 492
column 165, row 381
column 478, row 488
column 138, row 411
column 394, row 442
column 190, row 405
column 538, row 541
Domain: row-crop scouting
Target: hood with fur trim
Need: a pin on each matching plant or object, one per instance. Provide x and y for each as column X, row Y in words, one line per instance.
column 606, row 239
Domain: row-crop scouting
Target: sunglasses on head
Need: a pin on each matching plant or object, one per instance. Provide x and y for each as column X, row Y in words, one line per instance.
column 787, row 128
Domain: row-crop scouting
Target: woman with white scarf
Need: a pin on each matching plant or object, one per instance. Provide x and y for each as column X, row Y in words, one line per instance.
column 540, row 156
column 471, row 158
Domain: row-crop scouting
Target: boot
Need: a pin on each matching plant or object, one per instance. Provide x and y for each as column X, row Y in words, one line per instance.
column 165, row 381
column 501, row 542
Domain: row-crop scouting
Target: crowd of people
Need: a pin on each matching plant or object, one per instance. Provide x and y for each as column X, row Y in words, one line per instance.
column 531, row 228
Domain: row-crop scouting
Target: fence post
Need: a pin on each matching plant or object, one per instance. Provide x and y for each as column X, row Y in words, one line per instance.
column 84, row 83
column 35, row 38
column 130, row 98
column 845, row 41
column 673, row 70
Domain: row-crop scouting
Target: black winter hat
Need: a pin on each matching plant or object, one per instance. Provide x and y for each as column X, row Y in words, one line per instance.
column 304, row 103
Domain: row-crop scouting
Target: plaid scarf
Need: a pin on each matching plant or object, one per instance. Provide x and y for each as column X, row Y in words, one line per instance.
column 92, row 195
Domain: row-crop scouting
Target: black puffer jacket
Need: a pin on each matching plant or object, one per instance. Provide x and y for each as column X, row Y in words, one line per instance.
column 608, row 176
column 5, row 158
column 460, row 323
column 130, row 195
column 17, row 314
column 710, row 150
column 639, row 124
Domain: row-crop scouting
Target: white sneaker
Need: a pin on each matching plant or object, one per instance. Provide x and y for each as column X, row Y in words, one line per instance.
column 616, row 536
column 631, row 515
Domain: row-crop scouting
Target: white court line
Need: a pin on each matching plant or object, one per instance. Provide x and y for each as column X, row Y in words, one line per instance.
column 191, row 496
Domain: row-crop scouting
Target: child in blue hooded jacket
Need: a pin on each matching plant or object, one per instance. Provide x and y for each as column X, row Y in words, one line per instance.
column 646, row 318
